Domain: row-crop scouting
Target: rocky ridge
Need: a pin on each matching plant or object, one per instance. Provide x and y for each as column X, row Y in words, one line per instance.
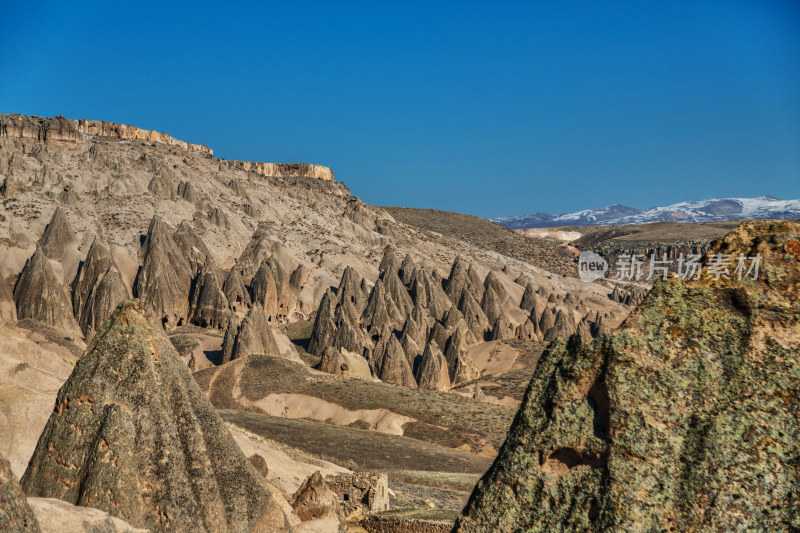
column 63, row 130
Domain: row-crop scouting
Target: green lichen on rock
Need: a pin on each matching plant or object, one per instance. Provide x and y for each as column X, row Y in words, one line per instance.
column 686, row 419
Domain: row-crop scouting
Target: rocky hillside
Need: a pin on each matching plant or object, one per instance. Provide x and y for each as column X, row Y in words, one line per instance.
column 162, row 221
column 226, row 260
column 685, row 419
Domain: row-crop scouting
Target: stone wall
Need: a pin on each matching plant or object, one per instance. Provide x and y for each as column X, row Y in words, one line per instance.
column 385, row 524
column 367, row 490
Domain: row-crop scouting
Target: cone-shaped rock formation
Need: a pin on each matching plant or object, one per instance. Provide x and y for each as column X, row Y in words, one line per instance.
column 132, row 434
column 97, row 289
column 165, row 277
column 39, row 295
column 57, row 236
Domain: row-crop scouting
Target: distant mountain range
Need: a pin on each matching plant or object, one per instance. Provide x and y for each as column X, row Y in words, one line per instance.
column 703, row 211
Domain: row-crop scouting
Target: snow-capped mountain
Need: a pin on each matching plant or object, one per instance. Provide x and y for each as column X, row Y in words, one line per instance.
column 702, row 211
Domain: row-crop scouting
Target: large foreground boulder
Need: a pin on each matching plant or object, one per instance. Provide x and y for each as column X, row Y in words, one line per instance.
column 685, row 420
column 133, row 435
column 15, row 514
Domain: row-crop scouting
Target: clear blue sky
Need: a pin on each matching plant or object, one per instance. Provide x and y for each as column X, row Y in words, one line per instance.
column 480, row 108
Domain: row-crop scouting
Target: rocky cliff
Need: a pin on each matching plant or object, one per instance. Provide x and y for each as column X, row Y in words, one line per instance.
column 64, row 130
column 685, row 419
column 70, row 131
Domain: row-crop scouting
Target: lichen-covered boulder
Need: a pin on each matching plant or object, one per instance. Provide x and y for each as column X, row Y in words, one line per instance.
column 685, row 419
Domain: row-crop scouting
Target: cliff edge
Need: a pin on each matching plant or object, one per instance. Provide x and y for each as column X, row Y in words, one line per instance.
column 62, row 130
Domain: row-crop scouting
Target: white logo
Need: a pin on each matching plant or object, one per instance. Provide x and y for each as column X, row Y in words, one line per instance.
column 591, row 266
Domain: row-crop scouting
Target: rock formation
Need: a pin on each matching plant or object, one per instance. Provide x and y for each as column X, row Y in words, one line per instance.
column 683, row 420
column 315, row 500
column 432, row 372
column 264, row 289
column 528, row 298
column 97, row 289
column 60, row 129
column 165, row 277
column 252, row 335
column 8, row 309
column 563, row 327
column 209, row 306
column 474, row 316
column 39, row 295
column 15, row 514
column 192, row 247
column 418, row 308
column 235, row 292
column 324, row 326
column 57, row 236
column 394, row 366
column 333, row 362
column 133, row 435
column 187, row 191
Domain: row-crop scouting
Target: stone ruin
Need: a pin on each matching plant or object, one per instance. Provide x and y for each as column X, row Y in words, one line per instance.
column 366, row 490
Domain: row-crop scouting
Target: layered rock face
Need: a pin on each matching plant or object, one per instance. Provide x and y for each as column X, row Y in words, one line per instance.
column 63, row 130
column 282, row 170
column 415, row 327
column 685, row 419
column 133, row 435
column 60, row 129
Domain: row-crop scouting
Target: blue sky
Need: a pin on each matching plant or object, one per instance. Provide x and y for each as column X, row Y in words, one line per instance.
column 489, row 109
